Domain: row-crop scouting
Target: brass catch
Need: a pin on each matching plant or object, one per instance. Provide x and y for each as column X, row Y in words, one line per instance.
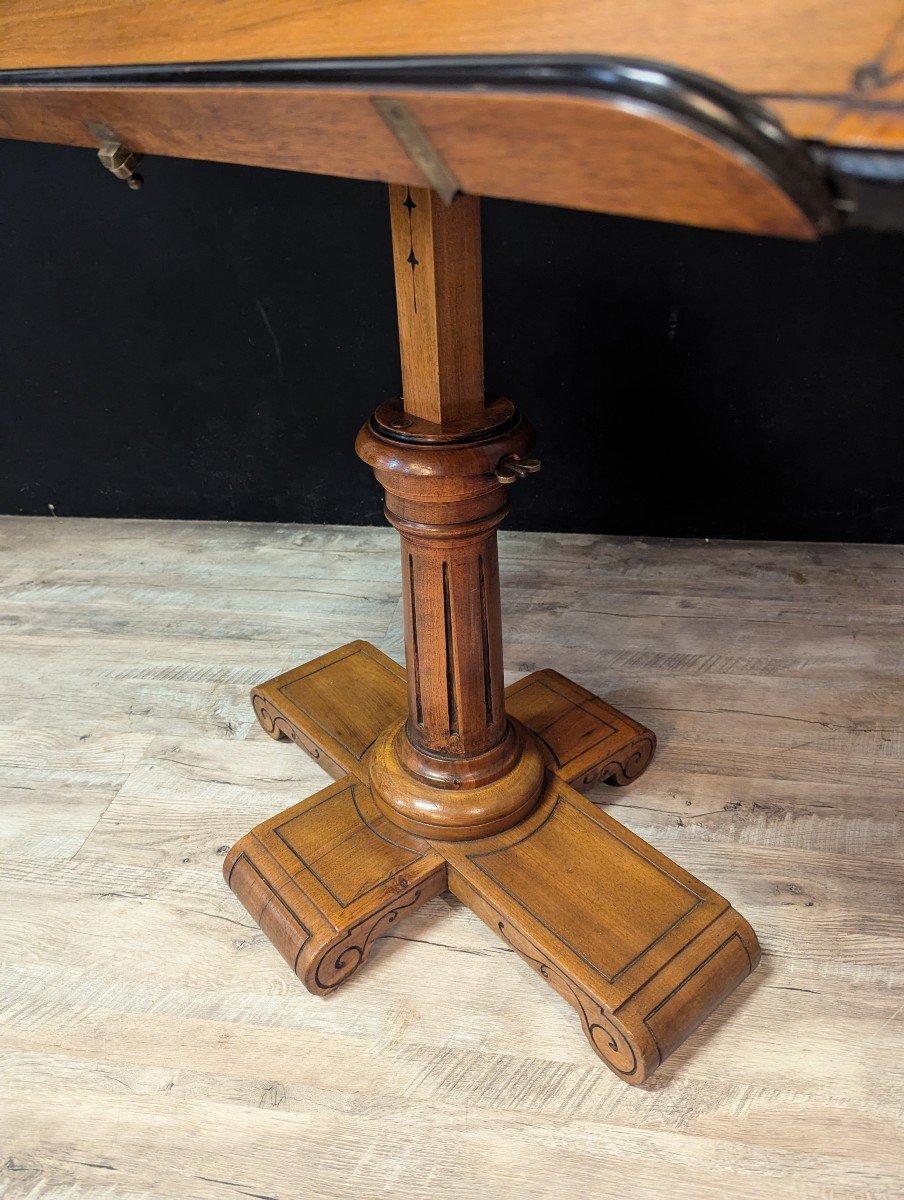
column 511, row 468
column 118, row 159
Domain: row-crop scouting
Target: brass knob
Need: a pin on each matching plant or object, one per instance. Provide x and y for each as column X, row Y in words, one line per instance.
column 512, row 468
column 121, row 162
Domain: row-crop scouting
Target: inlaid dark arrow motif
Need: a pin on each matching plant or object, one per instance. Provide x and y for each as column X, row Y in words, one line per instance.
column 412, row 257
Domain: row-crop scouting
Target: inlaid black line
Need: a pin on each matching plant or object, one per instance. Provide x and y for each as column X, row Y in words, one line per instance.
column 412, row 257
column 684, row 982
column 616, row 1037
column 539, row 732
column 450, row 655
column 416, row 664
column 562, row 800
column 351, row 955
column 485, row 636
column 295, row 852
column 302, row 675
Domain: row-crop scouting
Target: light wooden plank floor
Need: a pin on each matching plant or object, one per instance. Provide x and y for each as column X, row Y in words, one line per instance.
column 154, row 1045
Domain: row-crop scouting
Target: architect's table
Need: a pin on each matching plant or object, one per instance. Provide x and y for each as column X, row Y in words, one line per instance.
column 766, row 119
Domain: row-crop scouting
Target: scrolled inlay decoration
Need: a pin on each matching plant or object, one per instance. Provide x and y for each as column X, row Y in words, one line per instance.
column 605, row 1035
column 341, row 959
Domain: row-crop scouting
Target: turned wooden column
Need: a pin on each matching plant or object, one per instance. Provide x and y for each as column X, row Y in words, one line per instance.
column 458, row 763
column 453, row 626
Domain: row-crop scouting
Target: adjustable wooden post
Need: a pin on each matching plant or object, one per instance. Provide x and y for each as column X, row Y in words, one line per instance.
column 458, row 767
column 445, row 779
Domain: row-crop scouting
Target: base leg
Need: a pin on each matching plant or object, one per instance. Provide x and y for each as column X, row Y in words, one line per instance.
column 328, row 877
column 585, row 740
column 336, row 706
column 641, row 949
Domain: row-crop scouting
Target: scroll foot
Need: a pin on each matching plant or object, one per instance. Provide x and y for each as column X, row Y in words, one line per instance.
column 328, row 877
column 639, row 947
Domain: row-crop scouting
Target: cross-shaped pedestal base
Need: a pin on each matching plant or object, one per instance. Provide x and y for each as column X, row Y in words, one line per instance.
column 640, row 948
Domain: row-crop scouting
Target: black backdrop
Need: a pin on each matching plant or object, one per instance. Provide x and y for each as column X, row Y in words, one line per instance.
column 207, row 347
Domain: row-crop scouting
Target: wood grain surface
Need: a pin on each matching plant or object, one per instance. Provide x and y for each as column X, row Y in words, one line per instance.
column 153, row 1045
column 571, row 150
column 752, row 47
column 831, row 71
column 439, row 300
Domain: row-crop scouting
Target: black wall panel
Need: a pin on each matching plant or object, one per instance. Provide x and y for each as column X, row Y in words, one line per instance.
column 207, row 348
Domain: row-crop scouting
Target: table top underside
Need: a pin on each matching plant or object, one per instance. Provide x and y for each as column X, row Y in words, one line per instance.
column 711, row 114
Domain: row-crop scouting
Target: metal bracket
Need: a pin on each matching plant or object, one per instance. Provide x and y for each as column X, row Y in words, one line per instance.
column 418, row 147
column 118, row 159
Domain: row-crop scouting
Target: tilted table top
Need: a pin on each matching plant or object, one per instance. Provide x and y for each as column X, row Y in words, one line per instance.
column 767, row 118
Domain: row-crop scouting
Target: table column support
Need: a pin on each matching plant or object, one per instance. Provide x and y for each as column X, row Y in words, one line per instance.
column 444, row 779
